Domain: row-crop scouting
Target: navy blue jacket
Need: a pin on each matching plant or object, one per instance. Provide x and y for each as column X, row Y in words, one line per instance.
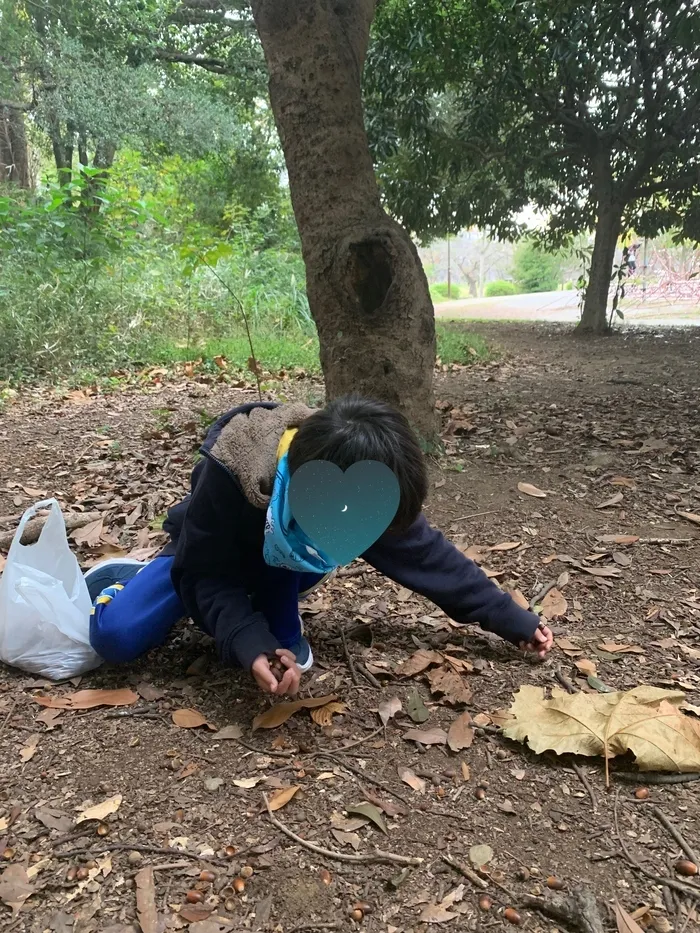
column 217, row 541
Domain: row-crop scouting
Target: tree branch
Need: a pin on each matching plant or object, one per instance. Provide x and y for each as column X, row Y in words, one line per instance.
column 13, row 105
column 216, row 65
column 681, row 183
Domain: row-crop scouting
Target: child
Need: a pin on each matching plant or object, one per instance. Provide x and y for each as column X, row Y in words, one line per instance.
column 215, row 570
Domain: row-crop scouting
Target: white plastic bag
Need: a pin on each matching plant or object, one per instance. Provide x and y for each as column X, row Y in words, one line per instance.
column 44, row 603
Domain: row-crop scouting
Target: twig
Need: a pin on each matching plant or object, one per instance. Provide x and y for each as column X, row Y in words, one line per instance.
column 668, row 825
column 353, row 571
column 348, row 657
column 584, row 780
column 667, row 541
column 635, row 777
column 542, row 593
column 368, row 675
column 375, row 857
column 262, row 751
column 332, row 925
column 138, row 847
column 467, row 872
column 566, row 684
column 687, row 889
column 365, row 777
column 463, row 518
column 9, row 716
column 346, row 748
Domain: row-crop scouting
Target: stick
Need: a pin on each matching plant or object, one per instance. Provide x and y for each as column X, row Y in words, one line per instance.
column 687, row 889
column 377, row 856
column 9, row 716
column 348, row 657
column 584, row 780
column 365, row 777
column 368, row 675
column 542, row 593
column 353, row 571
column 566, row 684
column 154, row 850
column 467, row 872
column 346, row 748
column 668, row 825
column 463, row 518
column 33, row 528
column 632, row 777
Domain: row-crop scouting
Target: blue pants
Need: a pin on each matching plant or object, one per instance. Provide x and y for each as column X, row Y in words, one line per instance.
column 139, row 616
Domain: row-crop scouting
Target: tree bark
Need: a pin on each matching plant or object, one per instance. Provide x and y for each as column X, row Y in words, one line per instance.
column 14, row 152
column 62, row 152
column 594, row 319
column 367, row 290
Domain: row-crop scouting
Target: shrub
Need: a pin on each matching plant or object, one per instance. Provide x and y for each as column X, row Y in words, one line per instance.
column 439, row 291
column 500, row 287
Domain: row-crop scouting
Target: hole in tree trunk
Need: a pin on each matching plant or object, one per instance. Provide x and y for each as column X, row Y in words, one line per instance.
column 370, row 273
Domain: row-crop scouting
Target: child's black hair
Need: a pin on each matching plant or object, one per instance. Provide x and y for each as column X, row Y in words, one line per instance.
column 353, row 428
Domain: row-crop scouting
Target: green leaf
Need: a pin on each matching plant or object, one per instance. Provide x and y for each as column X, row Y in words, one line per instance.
column 599, row 685
column 371, row 812
column 416, row 708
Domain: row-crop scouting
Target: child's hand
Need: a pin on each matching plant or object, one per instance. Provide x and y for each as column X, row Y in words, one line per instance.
column 280, row 677
column 540, row 643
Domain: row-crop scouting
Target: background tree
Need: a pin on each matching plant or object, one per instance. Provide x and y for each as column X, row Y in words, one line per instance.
column 535, row 270
column 590, row 112
column 367, row 290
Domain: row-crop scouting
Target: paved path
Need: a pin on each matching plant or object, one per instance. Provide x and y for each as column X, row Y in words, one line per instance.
column 562, row 307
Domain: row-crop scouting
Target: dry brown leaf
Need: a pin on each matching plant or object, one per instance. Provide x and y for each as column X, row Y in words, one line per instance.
column 371, row 812
column 450, row 685
column 623, row 481
column 191, row 719
column 614, row 648
column 146, row 900
column 505, row 546
column 234, row 731
column 436, row 913
column 89, row 699
column 346, row 838
column 554, row 604
column 531, row 490
column 388, row 709
column 615, row 500
column 149, row 692
column 568, row 647
column 690, row 516
column 645, row 721
column 618, row 539
column 15, row 887
column 520, row 599
column 461, row 733
column 282, row 797
column 426, row 736
column 278, row 714
column 30, row 747
column 625, row 923
column 474, row 552
column 587, row 667
column 323, row 715
column 419, row 661
column 412, row 779
column 101, row 810
column 48, row 717
column 90, row 535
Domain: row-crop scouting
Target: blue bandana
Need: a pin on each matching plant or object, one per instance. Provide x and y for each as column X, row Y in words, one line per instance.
column 286, row 545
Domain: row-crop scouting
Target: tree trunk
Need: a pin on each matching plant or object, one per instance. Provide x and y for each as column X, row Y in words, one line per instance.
column 14, row 152
column 594, row 319
column 62, row 152
column 367, row 290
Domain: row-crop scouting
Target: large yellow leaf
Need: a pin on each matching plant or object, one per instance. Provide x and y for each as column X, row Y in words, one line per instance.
column 645, row 721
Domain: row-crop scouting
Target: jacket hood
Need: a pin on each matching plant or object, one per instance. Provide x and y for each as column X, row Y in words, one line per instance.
column 247, row 447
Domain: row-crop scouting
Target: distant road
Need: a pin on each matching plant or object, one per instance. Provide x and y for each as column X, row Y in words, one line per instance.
column 562, row 307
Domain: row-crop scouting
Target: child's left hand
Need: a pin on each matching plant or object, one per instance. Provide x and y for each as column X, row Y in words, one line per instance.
column 540, row 643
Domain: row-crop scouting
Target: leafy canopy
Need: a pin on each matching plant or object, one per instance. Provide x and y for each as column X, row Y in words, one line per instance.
column 479, row 108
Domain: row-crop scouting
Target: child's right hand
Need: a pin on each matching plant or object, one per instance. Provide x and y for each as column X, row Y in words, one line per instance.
column 285, row 681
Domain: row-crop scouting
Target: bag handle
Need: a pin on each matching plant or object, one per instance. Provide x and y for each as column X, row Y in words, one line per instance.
column 51, row 504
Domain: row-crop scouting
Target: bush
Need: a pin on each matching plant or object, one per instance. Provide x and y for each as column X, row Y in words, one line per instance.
column 535, row 270
column 439, row 291
column 500, row 287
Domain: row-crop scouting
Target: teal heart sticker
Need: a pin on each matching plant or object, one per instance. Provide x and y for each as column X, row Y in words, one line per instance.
column 343, row 513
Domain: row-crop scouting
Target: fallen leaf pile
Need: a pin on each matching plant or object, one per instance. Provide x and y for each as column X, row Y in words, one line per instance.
column 445, row 680
column 645, row 721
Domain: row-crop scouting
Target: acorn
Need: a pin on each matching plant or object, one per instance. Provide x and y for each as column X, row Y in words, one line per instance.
column 238, row 885
column 485, row 902
column 207, row 876
column 230, row 851
column 230, row 904
column 246, row 872
column 512, row 916
column 556, row 884
column 102, row 829
column 641, row 793
column 326, row 876
column 523, row 873
column 82, row 873
column 480, row 793
column 685, row 867
column 356, row 914
column 363, row 906
column 71, row 873
column 8, row 854
column 194, row 897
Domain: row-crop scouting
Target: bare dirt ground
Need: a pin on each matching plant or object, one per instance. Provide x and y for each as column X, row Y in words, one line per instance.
column 583, row 422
